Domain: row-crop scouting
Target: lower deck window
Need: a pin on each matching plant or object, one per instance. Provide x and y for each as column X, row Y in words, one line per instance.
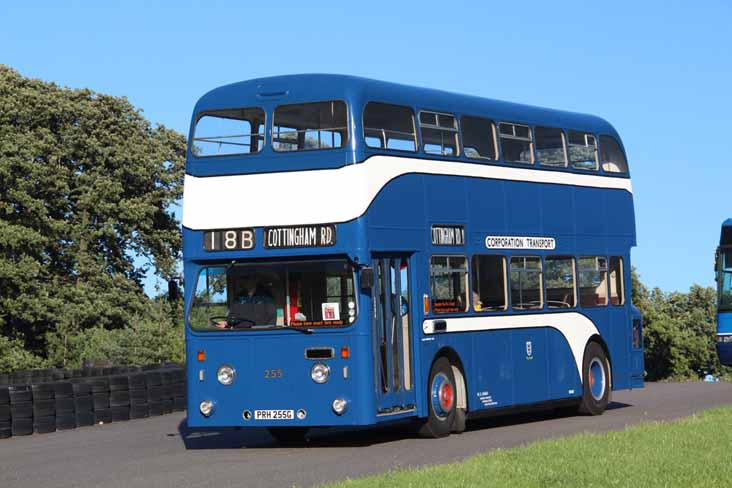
column 489, row 283
column 593, row 281
column 526, row 279
column 449, row 284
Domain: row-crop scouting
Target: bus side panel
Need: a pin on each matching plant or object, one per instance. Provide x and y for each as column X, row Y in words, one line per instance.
column 724, row 326
column 563, row 377
column 490, row 380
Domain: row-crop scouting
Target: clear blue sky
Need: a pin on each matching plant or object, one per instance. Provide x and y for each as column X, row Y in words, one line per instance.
column 660, row 72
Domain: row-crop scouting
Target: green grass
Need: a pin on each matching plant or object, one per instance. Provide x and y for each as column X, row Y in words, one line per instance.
column 692, row 452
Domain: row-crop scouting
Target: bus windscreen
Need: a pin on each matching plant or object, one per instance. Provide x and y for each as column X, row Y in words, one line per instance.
column 293, row 294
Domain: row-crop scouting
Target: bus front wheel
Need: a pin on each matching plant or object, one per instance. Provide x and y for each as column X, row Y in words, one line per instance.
column 441, row 401
column 595, row 381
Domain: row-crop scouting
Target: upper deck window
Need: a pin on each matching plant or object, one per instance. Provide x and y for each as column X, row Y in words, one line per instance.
column 550, row 147
column 387, row 126
column 309, row 126
column 479, row 137
column 582, row 150
column 227, row 132
column 439, row 133
column 516, row 143
column 612, row 157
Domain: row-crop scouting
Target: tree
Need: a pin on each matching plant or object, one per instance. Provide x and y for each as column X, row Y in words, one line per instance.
column 86, row 185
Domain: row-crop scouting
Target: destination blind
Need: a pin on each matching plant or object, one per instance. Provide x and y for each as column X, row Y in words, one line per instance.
column 299, row 236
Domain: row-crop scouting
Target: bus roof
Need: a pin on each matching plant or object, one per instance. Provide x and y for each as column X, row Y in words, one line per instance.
column 301, row 88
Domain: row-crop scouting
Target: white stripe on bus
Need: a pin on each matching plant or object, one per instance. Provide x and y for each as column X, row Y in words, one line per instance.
column 575, row 327
column 336, row 195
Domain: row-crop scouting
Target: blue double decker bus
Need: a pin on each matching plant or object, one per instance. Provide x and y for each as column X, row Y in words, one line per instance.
column 723, row 270
column 359, row 252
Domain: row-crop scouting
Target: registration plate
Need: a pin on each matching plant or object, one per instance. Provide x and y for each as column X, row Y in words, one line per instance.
column 274, row 414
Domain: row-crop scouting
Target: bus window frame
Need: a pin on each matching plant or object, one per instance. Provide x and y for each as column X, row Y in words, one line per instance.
column 530, row 139
column 457, row 131
column 344, row 144
column 496, row 149
column 208, row 112
column 468, row 287
column 415, row 133
column 538, row 163
column 570, row 163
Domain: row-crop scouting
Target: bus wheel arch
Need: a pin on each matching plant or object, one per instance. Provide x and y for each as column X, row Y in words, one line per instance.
column 597, row 338
column 461, row 387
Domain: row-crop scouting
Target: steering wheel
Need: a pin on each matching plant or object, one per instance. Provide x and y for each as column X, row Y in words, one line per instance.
column 231, row 322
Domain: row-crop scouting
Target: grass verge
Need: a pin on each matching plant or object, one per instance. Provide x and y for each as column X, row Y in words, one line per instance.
column 692, row 452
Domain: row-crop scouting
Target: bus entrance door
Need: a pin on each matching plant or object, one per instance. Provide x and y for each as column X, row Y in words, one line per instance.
column 393, row 336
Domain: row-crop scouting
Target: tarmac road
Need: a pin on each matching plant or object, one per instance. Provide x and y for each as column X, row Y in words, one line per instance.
column 162, row 452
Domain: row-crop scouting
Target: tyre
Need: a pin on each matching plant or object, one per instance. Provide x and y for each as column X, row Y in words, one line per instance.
column 120, row 414
column 44, row 408
column 155, row 408
column 66, row 422
column 441, row 401
column 119, row 399
column 84, row 419
column 20, row 394
column 4, row 379
column 595, row 381
column 289, row 435
column 4, row 395
column 155, row 394
column 22, row 426
column 63, row 389
column 152, row 378
column 22, row 410
column 103, row 416
column 81, row 389
column 5, row 432
column 138, row 397
column 167, row 405
column 83, row 404
column 139, row 411
column 65, row 405
column 179, row 404
column 44, row 425
column 99, row 385
column 101, row 401
column 178, row 389
column 42, row 391
column 119, row 383
column 4, row 413
column 137, row 381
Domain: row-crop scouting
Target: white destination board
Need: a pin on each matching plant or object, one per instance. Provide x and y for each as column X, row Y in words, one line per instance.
column 517, row 242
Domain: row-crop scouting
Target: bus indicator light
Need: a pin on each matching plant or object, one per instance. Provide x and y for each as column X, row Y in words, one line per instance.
column 345, row 352
column 201, row 355
column 426, row 303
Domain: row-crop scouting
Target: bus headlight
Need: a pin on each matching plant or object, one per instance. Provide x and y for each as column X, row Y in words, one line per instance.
column 225, row 375
column 339, row 406
column 206, row 408
column 320, row 373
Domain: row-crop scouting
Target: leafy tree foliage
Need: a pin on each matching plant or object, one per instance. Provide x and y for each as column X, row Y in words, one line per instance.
column 86, row 184
column 679, row 332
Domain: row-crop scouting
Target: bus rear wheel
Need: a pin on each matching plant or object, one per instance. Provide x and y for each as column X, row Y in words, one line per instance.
column 441, row 401
column 288, row 435
column 595, row 381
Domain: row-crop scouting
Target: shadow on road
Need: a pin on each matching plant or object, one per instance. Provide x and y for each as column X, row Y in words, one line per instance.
column 259, row 438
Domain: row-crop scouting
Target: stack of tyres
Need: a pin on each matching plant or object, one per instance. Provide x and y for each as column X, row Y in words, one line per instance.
column 119, row 397
column 21, row 409
column 20, row 378
column 4, row 379
column 179, row 389
column 63, row 392
column 83, row 404
column 166, row 389
column 5, row 429
column 44, row 408
column 154, row 392
column 138, row 396
column 100, row 397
